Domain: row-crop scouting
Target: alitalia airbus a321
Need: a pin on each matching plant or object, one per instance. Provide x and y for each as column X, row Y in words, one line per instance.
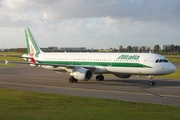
column 82, row 66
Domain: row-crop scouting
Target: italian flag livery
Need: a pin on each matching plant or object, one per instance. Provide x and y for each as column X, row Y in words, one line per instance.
column 32, row 47
column 82, row 66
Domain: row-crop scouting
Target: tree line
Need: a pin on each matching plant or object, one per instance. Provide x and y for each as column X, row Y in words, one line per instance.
column 21, row 50
column 170, row 49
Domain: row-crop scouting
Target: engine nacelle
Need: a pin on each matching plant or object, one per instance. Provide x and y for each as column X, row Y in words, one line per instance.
column 122, row 75
column 82, row 74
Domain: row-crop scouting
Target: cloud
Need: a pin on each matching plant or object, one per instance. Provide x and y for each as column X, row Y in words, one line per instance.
column 98, row 22
column 75, row 9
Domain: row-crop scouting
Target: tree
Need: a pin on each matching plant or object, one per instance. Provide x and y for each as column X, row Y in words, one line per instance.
column 134, row 49
column 156, row 48
column 148, row 49
column 120, row 48
column 171, row 48
column 129, row 48
column 176, row 48
column 143, row 48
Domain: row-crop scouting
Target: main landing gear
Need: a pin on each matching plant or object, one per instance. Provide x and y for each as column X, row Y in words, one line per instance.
column 72, row 80
column 100, row 77
column 151, row 83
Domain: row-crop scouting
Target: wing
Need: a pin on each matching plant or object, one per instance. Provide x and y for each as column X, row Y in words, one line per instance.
column 92, row 68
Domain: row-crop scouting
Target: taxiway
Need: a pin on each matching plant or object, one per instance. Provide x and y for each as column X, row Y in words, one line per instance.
column 24, row 77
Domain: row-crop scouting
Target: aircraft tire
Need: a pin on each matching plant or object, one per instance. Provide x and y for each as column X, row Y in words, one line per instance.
column 72, row 80
column 100, row 77
column 151, row 83
column 75, row 81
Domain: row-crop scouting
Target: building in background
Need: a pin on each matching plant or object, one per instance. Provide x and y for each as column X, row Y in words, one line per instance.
column 74, row 49
column 164, row 47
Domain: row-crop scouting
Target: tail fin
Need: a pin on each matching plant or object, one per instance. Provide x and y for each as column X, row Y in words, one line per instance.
column 32, row 46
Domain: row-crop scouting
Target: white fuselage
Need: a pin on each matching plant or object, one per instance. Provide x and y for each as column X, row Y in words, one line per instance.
column 116, row 63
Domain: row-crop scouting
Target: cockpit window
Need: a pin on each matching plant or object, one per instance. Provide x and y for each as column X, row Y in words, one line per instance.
column 164, row 60
column 161, row 60
column 157, row 60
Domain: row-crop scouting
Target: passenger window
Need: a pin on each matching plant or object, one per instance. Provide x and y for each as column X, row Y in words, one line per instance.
column 157, row 60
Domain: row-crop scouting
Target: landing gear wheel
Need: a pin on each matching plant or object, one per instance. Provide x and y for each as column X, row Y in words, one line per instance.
column 100, row 77
column 75, row 81
column 72, row 80
column 151, row 83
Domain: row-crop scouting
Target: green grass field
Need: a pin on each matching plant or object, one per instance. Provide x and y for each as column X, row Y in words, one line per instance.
column 174, row 75
column 25, row 105
column 7, row 56
column 174, row 59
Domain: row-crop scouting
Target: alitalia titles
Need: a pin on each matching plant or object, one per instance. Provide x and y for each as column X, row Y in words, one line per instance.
column 129, row 57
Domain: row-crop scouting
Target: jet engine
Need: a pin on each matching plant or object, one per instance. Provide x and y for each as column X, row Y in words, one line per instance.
column 82, row 74
column 122, row 75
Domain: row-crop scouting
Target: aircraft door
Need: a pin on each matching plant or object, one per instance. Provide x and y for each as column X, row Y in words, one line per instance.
column 71, row 61
column 109, row 62
column 146, row 60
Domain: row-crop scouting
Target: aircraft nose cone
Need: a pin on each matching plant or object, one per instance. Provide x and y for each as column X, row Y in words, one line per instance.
column 172, row 68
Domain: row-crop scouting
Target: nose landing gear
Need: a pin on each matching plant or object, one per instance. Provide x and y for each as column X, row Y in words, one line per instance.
column 151, row 83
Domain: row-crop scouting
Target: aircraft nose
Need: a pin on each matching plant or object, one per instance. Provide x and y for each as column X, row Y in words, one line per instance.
column 172, row 68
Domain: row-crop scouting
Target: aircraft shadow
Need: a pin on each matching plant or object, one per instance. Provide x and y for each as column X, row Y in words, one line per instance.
column 135, row 82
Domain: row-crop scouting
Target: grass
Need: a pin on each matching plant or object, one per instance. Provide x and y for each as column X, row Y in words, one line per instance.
column 174, row 75
column 23, row 105
column 174, row 59
column 8, row 56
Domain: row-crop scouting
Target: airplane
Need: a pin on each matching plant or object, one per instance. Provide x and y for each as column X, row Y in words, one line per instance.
column 82, row 66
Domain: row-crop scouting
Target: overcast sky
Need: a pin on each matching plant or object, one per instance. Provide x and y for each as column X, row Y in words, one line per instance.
column 90, row 23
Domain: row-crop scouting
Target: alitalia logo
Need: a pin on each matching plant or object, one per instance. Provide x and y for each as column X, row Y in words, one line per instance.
column 129, row 57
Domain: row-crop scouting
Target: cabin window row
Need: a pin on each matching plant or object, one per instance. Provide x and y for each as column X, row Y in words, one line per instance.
column 116, row 60
column 90, row 59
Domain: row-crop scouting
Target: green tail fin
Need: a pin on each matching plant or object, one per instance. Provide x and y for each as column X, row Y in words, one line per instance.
column 32, row 46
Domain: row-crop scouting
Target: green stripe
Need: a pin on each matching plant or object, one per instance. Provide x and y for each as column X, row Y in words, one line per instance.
column 27, row 42
column 85, row 63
